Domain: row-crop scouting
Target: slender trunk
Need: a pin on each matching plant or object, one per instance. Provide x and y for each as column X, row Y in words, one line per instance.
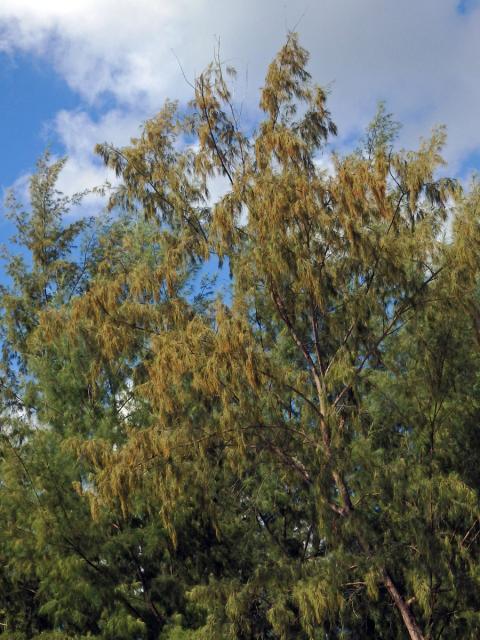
column 347, row 508
column 407, row 616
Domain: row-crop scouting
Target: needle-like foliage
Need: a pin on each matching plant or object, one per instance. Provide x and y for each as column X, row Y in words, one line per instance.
column 297, row 459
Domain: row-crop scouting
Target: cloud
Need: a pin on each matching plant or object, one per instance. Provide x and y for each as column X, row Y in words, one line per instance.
column 99, row 47
column 421, row 56
column 78, row 133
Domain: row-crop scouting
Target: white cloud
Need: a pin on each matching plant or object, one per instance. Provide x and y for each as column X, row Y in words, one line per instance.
column 419, row 55
column 79, row 133
column 99, row 45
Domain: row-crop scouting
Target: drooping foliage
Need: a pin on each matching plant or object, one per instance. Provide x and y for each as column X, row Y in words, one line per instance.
column 295, row 459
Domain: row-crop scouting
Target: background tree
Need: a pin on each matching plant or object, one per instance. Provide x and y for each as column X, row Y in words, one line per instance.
column 64, row 572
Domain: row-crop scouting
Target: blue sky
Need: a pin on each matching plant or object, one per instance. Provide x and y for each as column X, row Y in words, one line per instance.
column 30, row 94
column 84, row 71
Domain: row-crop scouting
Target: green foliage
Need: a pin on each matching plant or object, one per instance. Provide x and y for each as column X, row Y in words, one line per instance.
column 297, row 460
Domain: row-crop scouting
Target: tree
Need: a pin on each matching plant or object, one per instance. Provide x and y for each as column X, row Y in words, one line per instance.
column 62, row 571
column 302, row 453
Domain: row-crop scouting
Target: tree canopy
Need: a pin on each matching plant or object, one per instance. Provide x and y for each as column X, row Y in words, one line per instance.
column 296, row 458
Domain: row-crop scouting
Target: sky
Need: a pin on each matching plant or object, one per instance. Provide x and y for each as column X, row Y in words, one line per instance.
column 77, row 72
